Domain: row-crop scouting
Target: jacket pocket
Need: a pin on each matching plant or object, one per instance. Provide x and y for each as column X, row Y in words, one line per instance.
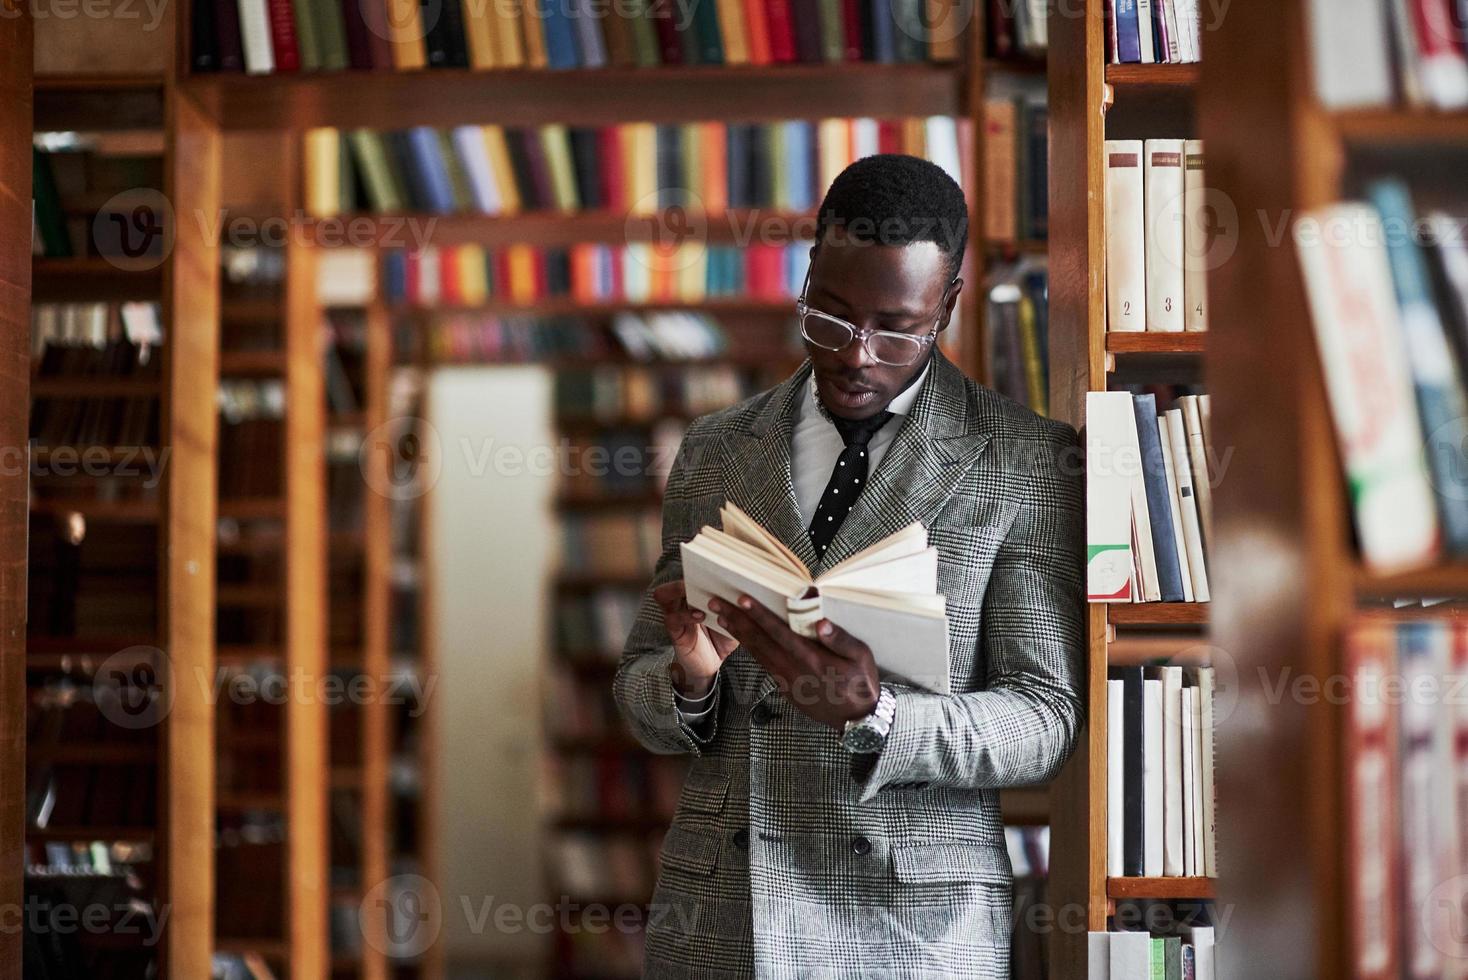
column 688, row 850
column 704, row 791
column 956, row 861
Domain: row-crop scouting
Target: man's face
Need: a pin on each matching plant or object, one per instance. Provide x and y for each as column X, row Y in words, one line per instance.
column 874, row 287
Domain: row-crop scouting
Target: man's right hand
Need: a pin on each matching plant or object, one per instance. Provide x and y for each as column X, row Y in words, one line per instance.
column 698, row 652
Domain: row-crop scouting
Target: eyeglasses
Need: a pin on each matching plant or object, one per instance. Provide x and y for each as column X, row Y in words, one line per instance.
column 885, row 346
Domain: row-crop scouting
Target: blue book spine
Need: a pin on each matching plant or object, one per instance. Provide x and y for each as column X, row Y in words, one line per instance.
column 1441, row 401
column 431, row 169
column 736, row 149
column 395, row 275
column 884, row 50
column 560, row 39
column 798, row 164
column 1128, row 36
column 588, row 36
column 1159, row 499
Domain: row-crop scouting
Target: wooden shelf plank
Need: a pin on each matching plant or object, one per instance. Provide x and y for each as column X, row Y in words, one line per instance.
column 1156, row 343
column 1141, row 77
column 1439, row 581
column 1160, row 888
column 1401, row 127
column 67, row 280
column 77, row 387
column 566, row 305
column 251, row 363
column 518, row 97
column 102, row 511
column 1158, row 614
column 100, row 832
column 252, row 508
column 98, row 102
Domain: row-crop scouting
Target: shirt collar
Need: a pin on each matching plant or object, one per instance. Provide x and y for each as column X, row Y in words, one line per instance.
column 901, row 405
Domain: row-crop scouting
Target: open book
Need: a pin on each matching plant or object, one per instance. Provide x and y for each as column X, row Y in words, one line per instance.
column 886, row 595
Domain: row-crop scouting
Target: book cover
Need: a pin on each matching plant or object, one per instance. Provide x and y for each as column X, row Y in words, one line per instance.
column 805, row 17
column 405, row 23
column 1159, row 499
column 1440, row 62
column 473, row 155
column 1000, row 170
column 308, row 44
column 1154, row 785
column 702, row 42
column 283, row 36
column 358, row 33
column 429, row 173
column 532, row 33
column 1197, row 238
column 586, row 166
column 781, row 22
column 853, row 30
column 1198, row 460
column 732, row 31
column 1115, row 777
column 255, row 37
column 1147, row 32
column 560, row 36
column 323, row 169
column 1187, row 502
column 227, row 28
column 1175, row 502
column 757, row 32
column 479, row 34
column 462, row 193
column 1165, row 240
column 1111, row 451
column 1424, row 651
column 556, row 146
column 203, row 37
column 1126, row 237
column 1130, row 956
column 1174, row 812
column 591, row 46
column 331, row 34
column 1350, row 53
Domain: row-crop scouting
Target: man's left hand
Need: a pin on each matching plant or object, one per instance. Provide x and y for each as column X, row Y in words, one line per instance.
column 832, row 679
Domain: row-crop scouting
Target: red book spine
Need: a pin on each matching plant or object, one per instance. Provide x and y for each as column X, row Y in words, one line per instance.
column 758, row 31
column 670, row 44
column 614, row 186
column 537, row 265
column 889, row 136
column 782, row 31
column 283, row 36
column 412, row 288
column 450, row 289
column 1371, row 814
column 851, row 18
column 502, row 273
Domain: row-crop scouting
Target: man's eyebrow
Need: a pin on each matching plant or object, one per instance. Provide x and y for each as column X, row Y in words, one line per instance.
column 881, row 314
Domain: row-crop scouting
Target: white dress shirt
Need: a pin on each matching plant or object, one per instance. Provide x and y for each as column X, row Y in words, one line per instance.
column 815, row 446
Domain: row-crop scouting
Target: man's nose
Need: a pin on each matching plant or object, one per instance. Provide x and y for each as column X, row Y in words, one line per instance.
column 854, row 355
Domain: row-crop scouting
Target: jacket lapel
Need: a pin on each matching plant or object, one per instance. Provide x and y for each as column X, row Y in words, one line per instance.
column 938, row 443
column 757, row 475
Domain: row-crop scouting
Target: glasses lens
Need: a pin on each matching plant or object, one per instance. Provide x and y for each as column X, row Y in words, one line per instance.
column 825, row 331
column 894, row 349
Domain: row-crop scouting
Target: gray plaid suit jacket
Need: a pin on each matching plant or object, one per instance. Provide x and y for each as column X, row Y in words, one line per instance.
column 788, row 856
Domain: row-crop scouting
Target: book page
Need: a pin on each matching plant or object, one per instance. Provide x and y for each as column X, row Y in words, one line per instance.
column 913, row 646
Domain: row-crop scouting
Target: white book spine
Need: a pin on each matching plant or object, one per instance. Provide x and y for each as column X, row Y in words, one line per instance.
column 1131, row 956
column 1177, row 516
column 1350, row 53
column 1404, row 30
column 1192, row 530
column 1152, row 777
column 430, row 276
column 1111, row 459
column 1198, row 459
column 255, row 37
column 1190, row 788
column 866, row 136
column 1115, row 762
column 1205, row 709
column 1126, row 237
column 1174, row 38
column 1172, row 772
column 1187, row 24
column 1358, row 330
column 1165, row 242
column 1444, row 70
column 1195, row 732
column 1098, row 956
column 469, row 142
column 1197, row 238
column 1147, row 32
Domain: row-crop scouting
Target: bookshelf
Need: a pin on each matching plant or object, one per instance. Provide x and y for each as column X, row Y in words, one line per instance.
column 15, row 330
column 1090, row 102
column 1290, row 847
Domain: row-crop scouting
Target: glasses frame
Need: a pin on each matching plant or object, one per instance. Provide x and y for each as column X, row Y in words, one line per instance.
column 803, row 309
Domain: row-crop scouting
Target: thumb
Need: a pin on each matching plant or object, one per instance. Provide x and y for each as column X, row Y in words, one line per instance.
column 840, row 642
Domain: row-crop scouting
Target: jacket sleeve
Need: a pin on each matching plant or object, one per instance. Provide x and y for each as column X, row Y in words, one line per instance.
column 643, row 687
column 1023, row 726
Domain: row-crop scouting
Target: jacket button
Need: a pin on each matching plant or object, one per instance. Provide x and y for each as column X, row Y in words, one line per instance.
column 741, row 838
column 861, row 845
column 762, row 715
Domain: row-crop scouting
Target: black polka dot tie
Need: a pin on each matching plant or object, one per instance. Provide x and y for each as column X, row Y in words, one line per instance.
column 848, row 476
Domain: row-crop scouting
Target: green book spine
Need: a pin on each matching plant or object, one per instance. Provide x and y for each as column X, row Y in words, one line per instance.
column 458, row 179
column 55, row 243
column 384, row 187
column 308, row 39
column 555, row 141
column 331, row 34
column 833, row 40
column 779, row 156
column 346, row 181
column 706, row 32
column 1172, row 949
column 1159, row 960
column 692, row 166
column 644, row 38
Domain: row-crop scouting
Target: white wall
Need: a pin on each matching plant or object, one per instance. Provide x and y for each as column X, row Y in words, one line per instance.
column 492, row 543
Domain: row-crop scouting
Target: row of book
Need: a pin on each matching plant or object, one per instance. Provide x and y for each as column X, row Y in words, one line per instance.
column 1130, row 955
column 1388, row 295
column 600, row 868
column 580, row 711
column 1154, row 32
column 621, row 395
column 1406, row 794
column 70, row 183
column 1017, row 337
column 619, row 545
column 611, row 786
column 638, row 272
column 95, row 341
column 1374, row 52
column 1159, row 772
column 615, row 465
column 1017, row 29
column 1016, row 151
column 634, row 167
column 1149, row 497
column 1162, row 236
column 266, row 36
column 596, row 624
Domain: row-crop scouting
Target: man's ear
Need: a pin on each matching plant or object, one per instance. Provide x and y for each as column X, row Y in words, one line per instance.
column 948, row 306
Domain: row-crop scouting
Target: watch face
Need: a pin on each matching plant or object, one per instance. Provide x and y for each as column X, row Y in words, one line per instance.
column 862, row 739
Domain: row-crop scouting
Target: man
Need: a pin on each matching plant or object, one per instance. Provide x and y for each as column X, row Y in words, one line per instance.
column 834, row 823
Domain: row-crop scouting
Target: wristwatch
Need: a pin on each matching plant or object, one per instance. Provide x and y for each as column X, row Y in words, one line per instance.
column 863, row 736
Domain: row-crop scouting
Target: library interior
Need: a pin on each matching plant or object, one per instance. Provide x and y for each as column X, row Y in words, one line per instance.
column 402, row 396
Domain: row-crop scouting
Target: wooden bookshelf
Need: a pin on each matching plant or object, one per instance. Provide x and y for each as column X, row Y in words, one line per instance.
column 15, row 337
column 1090, row 102
column 1284, row 843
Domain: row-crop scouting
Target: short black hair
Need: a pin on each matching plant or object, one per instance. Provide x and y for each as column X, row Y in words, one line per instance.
column 895, row 199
